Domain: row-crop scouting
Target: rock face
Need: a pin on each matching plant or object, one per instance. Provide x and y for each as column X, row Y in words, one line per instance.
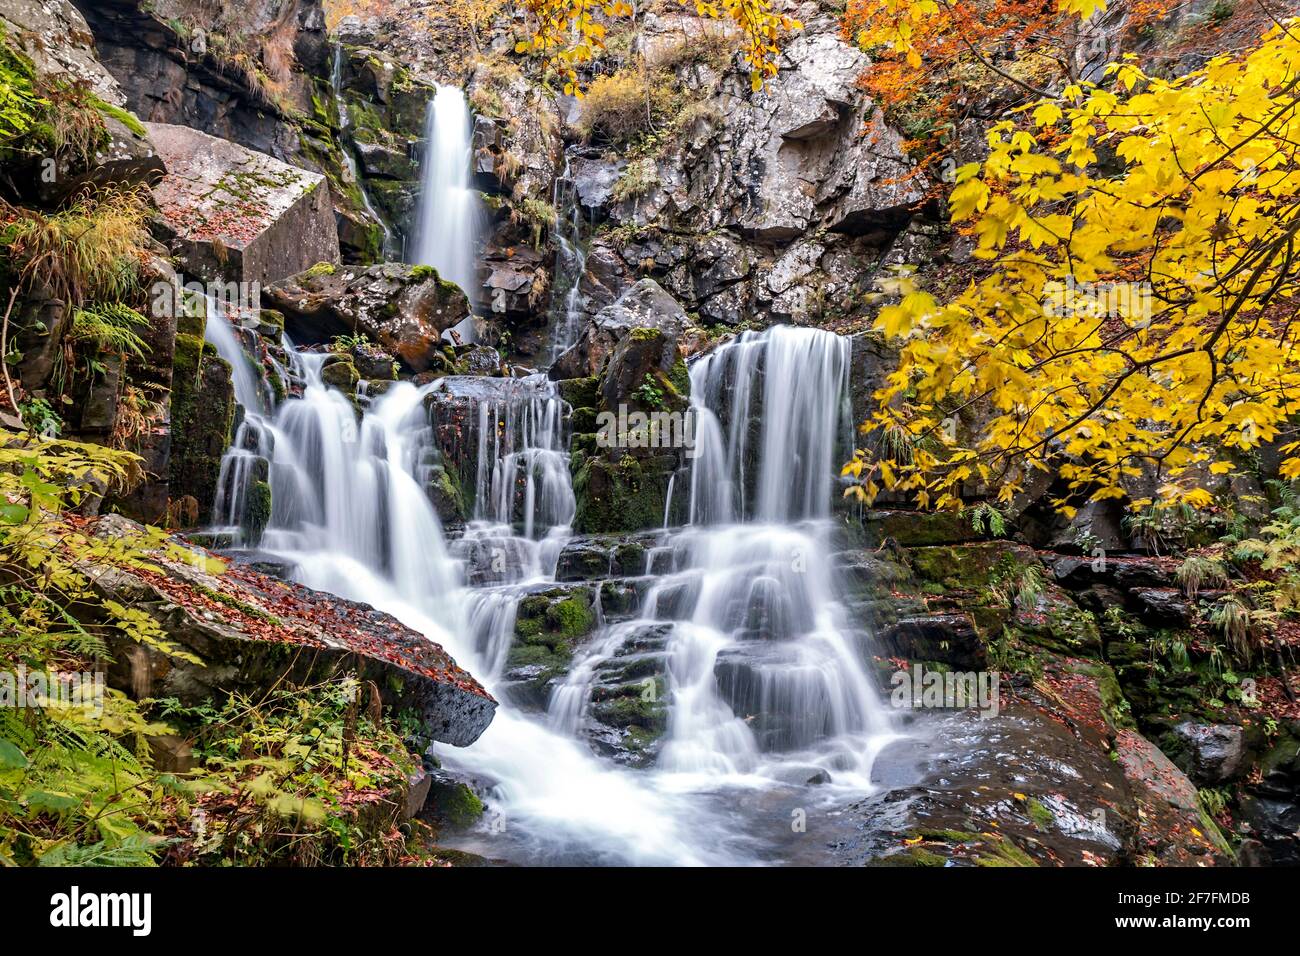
column 240, row 215
column 1036, row 785
column 252, row 631
column 1216, row 753
column 255, row 73
column 781, row 203
column 402, row 309
column 54, row 36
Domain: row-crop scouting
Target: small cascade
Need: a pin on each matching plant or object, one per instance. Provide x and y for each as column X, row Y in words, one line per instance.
column 245, row 462
column 391, row 247
column 446, row 233
column 570, row 263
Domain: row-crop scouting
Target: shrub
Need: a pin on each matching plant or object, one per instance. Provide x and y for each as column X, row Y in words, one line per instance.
column 616, row 107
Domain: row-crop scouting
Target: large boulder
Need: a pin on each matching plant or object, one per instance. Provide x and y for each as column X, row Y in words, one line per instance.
column 403, row 309
column 255, row 73
column 239, row 215
column 252, row 632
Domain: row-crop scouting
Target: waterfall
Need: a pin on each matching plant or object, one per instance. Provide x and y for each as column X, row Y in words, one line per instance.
column 764, row 672
column 766, row 683
column 570, row 264
column 447, row 217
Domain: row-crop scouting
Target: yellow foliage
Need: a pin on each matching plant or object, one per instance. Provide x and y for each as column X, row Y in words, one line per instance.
column 1133, row 321
column 567, row 33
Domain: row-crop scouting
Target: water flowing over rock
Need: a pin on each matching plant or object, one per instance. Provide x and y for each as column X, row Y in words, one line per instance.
column 448, row 213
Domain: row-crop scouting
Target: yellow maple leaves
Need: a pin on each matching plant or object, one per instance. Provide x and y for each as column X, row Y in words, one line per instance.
column 1136, row 318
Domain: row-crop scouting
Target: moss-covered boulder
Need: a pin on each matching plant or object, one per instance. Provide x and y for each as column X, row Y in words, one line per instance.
column 624, row 495
column 203, row 415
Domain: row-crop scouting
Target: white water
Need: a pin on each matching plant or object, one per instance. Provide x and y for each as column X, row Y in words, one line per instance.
column 766, row 684
column 446, row 235
column 570, row 264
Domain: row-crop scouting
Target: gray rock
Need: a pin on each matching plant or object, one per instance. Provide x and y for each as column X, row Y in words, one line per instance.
column 1215, row 754
column 645, row 306
column 241, row 215
column 402, row 309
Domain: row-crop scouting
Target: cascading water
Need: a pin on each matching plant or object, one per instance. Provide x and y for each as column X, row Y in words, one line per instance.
column 570, row 264
column 765, row 682
column 766, row 685
column 447, row 218
column 764, row 673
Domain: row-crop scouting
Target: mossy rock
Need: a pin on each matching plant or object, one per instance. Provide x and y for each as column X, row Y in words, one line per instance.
column 580, row 392
column 913, row 529
column 557, row 620
column 257, row 511
column 455, row 804
column 627, row 495
column 341, row 373
column 202, row 421
column 972, row 566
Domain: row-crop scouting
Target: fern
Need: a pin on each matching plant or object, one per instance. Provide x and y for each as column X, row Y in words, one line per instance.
column 110, row 328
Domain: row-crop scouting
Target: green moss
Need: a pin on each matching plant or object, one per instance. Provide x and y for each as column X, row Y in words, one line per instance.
column 125, row 117
column 257, row 513
column 457, row 805
column 572, row 617
column 202, row 418
column 580, row 392
column 321, row 269
column 1042, row 817
column 679, row 377
column 342, row 374
column 627, row 495
column 421, row 273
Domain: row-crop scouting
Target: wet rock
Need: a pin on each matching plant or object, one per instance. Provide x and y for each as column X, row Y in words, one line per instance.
column 1165, row 606
column 594, row 558
column 1214, row 753
column 402, row 309
column 594, row 180
column 942, row 638
column 202, row 423
column 644, row 306
column 452, row 800
column 237, row 214
column 479, row 360
column 1054, row 779
column 251, row 632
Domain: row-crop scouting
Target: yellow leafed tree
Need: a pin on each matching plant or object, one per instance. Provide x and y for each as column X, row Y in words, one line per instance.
column 1137, row 313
